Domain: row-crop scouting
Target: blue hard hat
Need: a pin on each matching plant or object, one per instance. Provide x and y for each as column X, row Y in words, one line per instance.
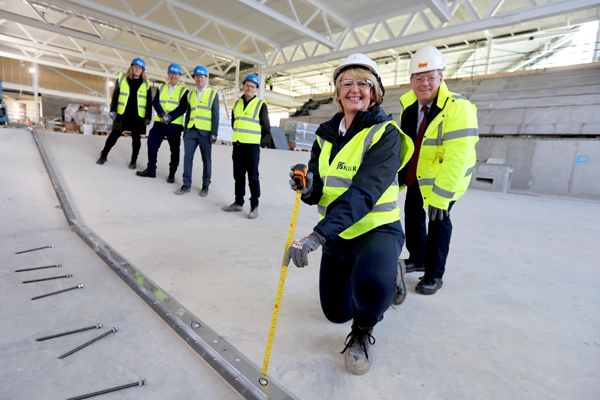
column 139, row 62
column 199, row 70
column 176, row 69
column 252, row 78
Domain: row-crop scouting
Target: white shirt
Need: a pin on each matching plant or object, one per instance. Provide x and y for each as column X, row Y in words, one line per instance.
column 420, row 116
column 199, row 93
column 342, row 129
column 171, row 88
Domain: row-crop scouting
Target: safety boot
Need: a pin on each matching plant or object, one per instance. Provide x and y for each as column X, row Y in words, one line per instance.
column 233, row 207
column 412, row 266
column 148, row 173
column 358, row 344
column 204, row 191
column 171, row 178
column 182, row 190
column 253, row 213
column 132, row 165
column 101, row 160
column 400, row 285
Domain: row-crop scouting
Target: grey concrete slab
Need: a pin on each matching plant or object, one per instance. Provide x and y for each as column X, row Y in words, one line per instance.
column 144, row 346
column 517, row 316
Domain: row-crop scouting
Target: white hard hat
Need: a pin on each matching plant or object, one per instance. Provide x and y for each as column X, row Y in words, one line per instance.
column 427, row 58
column 359, row 60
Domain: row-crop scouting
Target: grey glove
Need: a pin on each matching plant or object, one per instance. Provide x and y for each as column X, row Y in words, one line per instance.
column 308, row 186
column 300, row 248
column 113, row 115
column 147, row 122
column 213, row 139
column 165, row 119
column 436, row 213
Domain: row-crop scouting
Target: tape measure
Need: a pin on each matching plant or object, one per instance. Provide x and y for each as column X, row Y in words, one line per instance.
column 277, row 306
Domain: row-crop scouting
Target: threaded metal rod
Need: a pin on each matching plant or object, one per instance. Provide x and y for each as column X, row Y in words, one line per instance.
column 60, row 291
column 87, row 396
column 37, row 248
column 113, row 330
column 33, row 269
column 98, row 326
column 49, row 279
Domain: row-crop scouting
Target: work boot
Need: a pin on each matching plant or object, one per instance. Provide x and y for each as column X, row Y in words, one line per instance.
column 204, row 191
column 132, row 165
column 400, row 285
column 412, row 266
column 182, row 190
column 428, row 285
column 358, row 344
column 233, row 207
column 253, row 213
column 171, row 178
column 148, row 173
column 101, row 160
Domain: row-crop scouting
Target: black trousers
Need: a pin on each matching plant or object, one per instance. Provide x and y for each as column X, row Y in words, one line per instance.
column 245, row 162
column 358, row 277
column 136, row 130
column 155, row 138
column 426, row 245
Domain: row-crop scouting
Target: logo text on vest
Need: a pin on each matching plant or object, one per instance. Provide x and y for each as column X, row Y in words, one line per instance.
column 342, row 165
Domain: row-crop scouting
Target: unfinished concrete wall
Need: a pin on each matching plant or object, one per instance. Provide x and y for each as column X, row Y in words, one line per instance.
column 52, row 105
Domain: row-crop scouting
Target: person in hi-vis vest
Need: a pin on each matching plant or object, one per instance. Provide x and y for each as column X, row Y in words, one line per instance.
column 170, row 103
column 130, row 109
column 201, row 130
column 250, row 122
column 352, row 178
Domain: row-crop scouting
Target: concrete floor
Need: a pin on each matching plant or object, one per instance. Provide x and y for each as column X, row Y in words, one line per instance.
column 517, row 316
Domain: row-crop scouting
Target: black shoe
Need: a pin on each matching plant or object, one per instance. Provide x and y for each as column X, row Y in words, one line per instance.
column 400, row 285
column 132, row 165
column 148, row 173
column 182, row 190
column 412, row 266
column 358, row 344
column 171, row 178
column 101, row 160
column 428, row 285
column 204, row 191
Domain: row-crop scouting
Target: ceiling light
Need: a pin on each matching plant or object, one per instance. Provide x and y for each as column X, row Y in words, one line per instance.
column 32, row 70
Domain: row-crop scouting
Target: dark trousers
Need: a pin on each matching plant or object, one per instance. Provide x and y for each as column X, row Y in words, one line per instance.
column 136, row 131
column 155, row 138
column 358, row 277
column 245, row 161
column 428, row 246
column 194, row 138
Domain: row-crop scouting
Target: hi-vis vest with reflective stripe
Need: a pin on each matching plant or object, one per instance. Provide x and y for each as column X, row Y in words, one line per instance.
column 447, row 156
column 338, row 175
column 169, row 103
column 201, row 112
column 246, row 126
column 124, row 96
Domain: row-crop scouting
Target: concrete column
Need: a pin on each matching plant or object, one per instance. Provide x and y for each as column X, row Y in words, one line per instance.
column 36, row 99
column 261, row 79
column 108, row 91
column 291, row 82
column 489, row 56
column 396, row 70
column 597, row 45
column 237, row 77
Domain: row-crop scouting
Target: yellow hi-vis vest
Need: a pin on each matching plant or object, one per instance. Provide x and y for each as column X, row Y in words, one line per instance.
column 338, row 176
column 246, row 126
column 170, row 103
column 201, row 112
column 447, row 156
column 124, row 96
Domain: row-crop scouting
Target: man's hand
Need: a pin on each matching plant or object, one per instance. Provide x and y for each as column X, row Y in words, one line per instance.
column 300, row 248
column 147, row 122
column 165, row 119
column 436, row 213
column 113, row 115
column 308, row 185
column 213, row 139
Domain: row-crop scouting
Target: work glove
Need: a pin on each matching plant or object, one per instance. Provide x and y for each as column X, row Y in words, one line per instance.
column 165, row 119
column 147, row 122
column 213, row 139
column 436, row 213
column 309, row 180
column 300, row 248
column 113, row 115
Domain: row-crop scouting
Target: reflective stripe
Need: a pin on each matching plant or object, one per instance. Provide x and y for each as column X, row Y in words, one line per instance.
column 458, row 97
column 369, row 138
column 248, row 131
column 337, row 182
column 429, row 142
column 469, row 171
column 425, row 182
column 123, row 93
column 440, row 132
column 461, row 133
column 121, row 104
column 141, row 96
column 172, row 102
column 246, row 119
column 140, row 106
column 391, row 206
column 442, row 193
column 322, row 210
column 321, row 141
column 202, row 108
column 202, row 118
column 395, row 182
column 260, row 103
column 121, row 80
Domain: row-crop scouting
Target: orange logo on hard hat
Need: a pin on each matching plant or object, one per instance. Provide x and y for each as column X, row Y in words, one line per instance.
column 422, row 65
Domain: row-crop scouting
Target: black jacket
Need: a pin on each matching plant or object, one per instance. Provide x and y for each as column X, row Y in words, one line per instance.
column 375, row 174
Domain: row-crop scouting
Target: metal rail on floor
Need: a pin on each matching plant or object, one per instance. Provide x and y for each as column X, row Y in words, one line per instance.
column 226, row 360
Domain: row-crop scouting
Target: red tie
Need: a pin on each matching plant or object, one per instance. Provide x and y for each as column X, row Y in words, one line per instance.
column 411, row 176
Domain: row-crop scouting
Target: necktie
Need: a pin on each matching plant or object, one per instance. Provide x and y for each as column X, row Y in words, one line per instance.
column 411, row 176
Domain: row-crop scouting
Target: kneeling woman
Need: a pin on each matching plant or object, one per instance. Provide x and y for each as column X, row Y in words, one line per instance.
column 353, row 178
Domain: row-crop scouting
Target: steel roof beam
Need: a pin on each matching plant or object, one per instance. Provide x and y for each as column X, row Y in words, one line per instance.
column 439, row 9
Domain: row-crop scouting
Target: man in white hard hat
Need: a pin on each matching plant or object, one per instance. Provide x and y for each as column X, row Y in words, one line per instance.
column 443, row 126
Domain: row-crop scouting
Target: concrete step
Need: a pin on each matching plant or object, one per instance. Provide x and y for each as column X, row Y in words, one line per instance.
column 565, row 101
column 545, row 92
